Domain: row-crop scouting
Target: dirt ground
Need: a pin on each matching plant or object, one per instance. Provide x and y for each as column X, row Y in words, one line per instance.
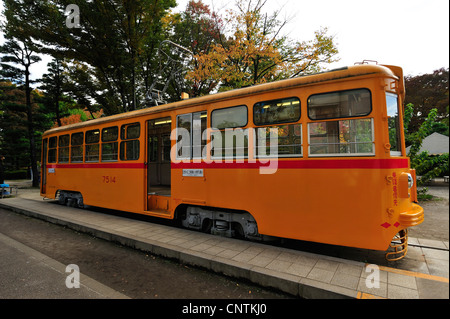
column 136, row 274
column 436, row 223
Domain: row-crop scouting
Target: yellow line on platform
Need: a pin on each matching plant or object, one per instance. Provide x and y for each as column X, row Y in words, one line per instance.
column 413, row 274
column 364, row 295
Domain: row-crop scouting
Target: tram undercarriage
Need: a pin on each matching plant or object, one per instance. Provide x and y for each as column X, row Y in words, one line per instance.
column 239, row 224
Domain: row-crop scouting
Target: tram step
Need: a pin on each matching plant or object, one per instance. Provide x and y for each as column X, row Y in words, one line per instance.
column 158, row 203
column 158, row 212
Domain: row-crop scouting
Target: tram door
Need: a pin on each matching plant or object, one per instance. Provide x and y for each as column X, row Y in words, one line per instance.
column 158, row 168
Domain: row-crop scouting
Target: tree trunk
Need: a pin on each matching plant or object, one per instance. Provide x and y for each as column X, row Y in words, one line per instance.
column 34, row 170
column 58, row 93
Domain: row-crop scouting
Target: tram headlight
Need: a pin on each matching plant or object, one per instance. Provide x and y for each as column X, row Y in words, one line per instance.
column 405, row 185
column 410, row 181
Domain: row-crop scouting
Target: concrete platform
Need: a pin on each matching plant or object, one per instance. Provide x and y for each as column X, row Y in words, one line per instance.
column 304, row 274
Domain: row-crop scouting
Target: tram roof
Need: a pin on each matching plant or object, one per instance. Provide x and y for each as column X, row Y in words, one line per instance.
column 335, row 74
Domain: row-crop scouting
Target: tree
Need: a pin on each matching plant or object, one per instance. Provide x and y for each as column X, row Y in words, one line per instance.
column 255, row 51
column 20, row 53
column 198, row 29
column 76, row 115
column 14, row 144
column 52, row 84
column 426, row 92
column 115, row 42
column 426, row 166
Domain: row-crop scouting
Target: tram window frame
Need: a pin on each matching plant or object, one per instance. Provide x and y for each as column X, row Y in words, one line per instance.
column 52, row 149
column 222, row 148
column 338, row 111
column 129, row 150
column 273, row 109
column 199, row 138
column 64, row 148
column 184, row 142
column 126, row 129
column 110, row 144
column 92, row 146
column 195, row 147
column 76, row 147
column 230, row 108
column 130, row 144
column 393, row 112
column 261, row 150
column 226, row 149
column 342, row 149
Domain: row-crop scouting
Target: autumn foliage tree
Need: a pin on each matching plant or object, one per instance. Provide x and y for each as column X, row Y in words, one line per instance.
column 253, row 50
column 199, row 29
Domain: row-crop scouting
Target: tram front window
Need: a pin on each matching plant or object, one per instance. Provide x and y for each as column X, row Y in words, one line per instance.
column 393, row 124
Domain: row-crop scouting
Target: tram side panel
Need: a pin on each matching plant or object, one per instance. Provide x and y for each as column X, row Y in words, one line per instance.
column 329, row 206
column 348, row 207
column 114, row 188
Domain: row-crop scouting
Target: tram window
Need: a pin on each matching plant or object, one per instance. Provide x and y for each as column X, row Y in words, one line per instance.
column 199, row 123
column 110, row 144
column 52, row 144
column 110, row 134
column 341, row 138
column 153, row 145
column 229, row 117
column 63, row 148
column 393, row 124
column 130, row 131
column 349, row 103
column 166, row 145
column 92, row 136
column 76, row 151
column 109, row 151
column 191, row 136
column 184, row 125
column 276, row 111
column 129, row 148
column 92, row 153
column 92, row 149
column 63, row 140
column 229, row 143
column 280, row 141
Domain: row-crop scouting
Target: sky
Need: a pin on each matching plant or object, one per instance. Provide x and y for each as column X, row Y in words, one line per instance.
column 413, row 34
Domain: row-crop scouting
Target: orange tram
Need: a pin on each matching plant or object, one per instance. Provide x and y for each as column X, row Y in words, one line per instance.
column 317, row 158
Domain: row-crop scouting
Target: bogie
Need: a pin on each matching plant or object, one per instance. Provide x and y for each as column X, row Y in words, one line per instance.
column 220, row 222
column 70, row 199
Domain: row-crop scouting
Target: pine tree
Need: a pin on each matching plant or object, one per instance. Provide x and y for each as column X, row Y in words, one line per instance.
column 20, row 53
column 52, row 83
column 14, row 144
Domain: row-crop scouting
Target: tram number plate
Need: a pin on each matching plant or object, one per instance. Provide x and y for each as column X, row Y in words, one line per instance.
column 109, row 179
column 193, row 172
